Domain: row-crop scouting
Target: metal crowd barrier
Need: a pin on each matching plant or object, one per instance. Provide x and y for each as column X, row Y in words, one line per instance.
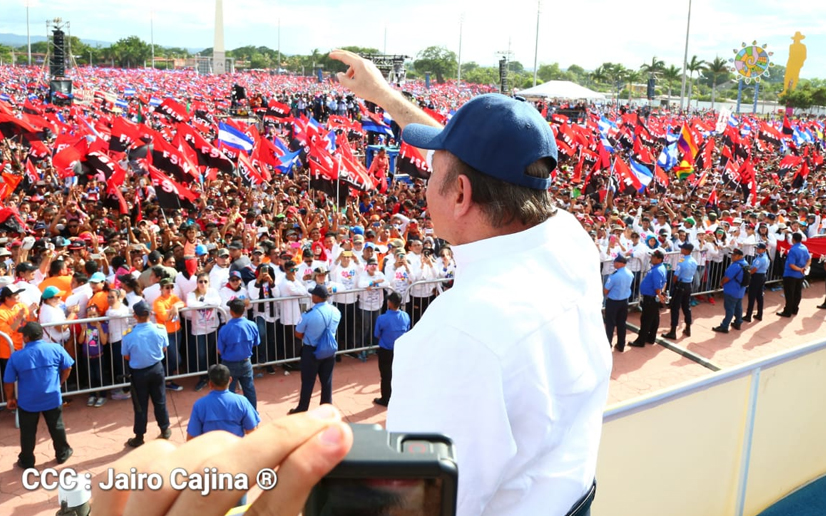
column 707, row 279
column 191, row 355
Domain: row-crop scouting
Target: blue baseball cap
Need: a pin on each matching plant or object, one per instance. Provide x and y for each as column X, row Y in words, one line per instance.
column 496, row 135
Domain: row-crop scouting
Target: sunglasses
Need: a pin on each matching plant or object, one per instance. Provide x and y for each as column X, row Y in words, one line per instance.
column 294, row 270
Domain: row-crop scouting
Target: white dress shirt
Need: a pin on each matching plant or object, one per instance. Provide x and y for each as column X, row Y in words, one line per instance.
column 522, row 377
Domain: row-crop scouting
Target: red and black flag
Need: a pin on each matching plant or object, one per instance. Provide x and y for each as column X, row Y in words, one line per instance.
column 801, row 175
column 173, row 110
column 171, row 195
column 208, row 155
column 412, row 163
column 276, row 110
column 11, row 221
column 125, row 134
column 787, row 164
column 248, row 172
column 168, row 158
column 787, row 126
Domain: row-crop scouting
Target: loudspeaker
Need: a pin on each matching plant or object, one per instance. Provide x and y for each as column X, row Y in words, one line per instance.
column 60, row 92
column 651, row 85
column 239, row 92
column 57, row 64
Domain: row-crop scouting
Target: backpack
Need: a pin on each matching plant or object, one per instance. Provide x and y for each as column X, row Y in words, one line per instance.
column 326, row 345
column 746, row 278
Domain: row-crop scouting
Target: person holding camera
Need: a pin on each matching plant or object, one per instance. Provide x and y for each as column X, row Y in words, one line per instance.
column 489, row 196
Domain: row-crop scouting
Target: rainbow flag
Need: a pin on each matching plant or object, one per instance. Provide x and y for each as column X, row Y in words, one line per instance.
column 687, row 145
column 684, row 170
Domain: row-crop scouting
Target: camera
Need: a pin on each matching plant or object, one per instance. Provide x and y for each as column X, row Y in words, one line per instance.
column 389, row 473
column 427, row 251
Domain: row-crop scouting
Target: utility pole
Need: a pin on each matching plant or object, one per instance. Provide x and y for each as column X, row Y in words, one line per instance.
column 152, row 34
column 385, row 38
column 536, row 47
column 28, row 33
column 685, row 56
column 461, row 22
column 278, row 65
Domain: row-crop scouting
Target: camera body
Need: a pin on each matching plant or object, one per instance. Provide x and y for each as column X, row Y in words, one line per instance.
column 388, row 472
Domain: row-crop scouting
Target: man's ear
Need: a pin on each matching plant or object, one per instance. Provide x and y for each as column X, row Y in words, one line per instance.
column 461, row 196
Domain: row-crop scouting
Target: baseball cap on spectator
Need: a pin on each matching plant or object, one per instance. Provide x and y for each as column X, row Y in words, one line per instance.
column 659, row 254
column 663, row 232
column 712, row 216
column 307, row 253
column 200, row 250
column 621, row 259
column 97, row 277
column 690, row 220
column 737, row 251
column 51, row 292
column 496, row 135
column 370, row 261
column 358, row 238
column 141, row 308
column 234, row 246
column 39, row 225
column 772, row 216
column 24, row 267
column 358, row 230
column 321, row 270
column 258, row 250
column 223, row 252
column 235, row 275
column 166, row 281
column 8, row 291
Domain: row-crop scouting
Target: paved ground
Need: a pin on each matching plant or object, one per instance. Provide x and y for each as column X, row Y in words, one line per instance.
column 97, row 434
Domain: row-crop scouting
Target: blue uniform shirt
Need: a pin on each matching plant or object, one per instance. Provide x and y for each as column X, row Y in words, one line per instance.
column 144, row 344
column 391, row 325
column 798, row 255
column 237, row 338
column 653, row 281
column 619, row 284
column 314, row 321
column 734, row 273
column 685, row 269
column 222, row 410
column 37, row 369
column 760, row 263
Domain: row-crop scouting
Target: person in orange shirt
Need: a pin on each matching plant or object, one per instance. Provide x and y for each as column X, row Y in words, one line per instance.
column 100, row 291
column 13, row 315
column 166, row 313
column 58, row 277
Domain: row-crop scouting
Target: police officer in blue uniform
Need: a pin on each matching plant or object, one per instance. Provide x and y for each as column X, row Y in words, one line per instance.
column 39, row 369
column 759, row 267
column 390, row 325
column 652, row 290
column 143, row 348
column 797, row 261
column 617, row 290
column 320, row 318
column 235, row 342
column 681, row 291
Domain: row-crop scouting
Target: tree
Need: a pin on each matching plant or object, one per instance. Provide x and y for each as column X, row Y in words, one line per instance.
column 5, row 54
column 437, row 60
column 550, row 72
column 716, row 69
column 632, row 77
column 800, row 98
column 515, row 67
column 671, row 75
column 469, row 67
column 130, row 52
column 695, row 65
column 655, row 67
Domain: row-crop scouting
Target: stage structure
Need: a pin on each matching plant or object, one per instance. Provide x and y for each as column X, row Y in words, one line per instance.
column 390, row 65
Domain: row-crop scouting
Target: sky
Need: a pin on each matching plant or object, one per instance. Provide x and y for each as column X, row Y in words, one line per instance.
column 583, row 32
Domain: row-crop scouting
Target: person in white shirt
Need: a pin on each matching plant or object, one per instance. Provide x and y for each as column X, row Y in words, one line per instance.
column 233, row 289
column 29, row 294
column 290, row 286
column 153, row 291
column 205, row 322
column 262, row 288
column 345, row 273
column 399, row 276
column 370, row 300
column 80, row 296
column 51, row 316
column 118, row 326
column 422, row 269
column 219, row 273
column 534, row 360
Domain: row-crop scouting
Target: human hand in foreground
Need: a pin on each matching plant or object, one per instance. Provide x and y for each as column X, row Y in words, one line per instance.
column 362, row 78
column 302, row 447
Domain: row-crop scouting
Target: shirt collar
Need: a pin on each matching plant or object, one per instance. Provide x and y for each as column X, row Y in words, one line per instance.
column 35, row 343
column 466, row 254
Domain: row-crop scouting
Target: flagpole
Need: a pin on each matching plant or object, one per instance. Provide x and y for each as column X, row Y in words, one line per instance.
column 536, row 45
column 685, row 56
column 459, row 73
column 152, row 34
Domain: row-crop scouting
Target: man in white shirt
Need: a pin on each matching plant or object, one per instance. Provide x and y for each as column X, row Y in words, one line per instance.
column 290, row 286
column 370, row 301
column 219, row 273
column 533, row 362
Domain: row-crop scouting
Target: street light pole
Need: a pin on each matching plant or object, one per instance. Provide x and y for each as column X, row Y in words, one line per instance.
column 685, row 56
column 536, row 47
column 459, row 73
column 152, row 34
column 28, row 35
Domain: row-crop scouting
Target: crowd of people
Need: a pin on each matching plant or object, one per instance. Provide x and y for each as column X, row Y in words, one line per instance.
column 176, row 208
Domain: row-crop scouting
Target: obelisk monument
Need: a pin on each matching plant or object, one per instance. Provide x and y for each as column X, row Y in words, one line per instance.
column 219, row 58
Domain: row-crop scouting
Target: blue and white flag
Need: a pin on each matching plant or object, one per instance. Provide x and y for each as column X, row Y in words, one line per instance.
column 121, row 104
column 732, row 120
column 288, row 161
column 368, row 124
column 128, row 92
column 233, row 138
column 154, row 101
column 644, row 175
column 5, row 97
column 668, row 157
